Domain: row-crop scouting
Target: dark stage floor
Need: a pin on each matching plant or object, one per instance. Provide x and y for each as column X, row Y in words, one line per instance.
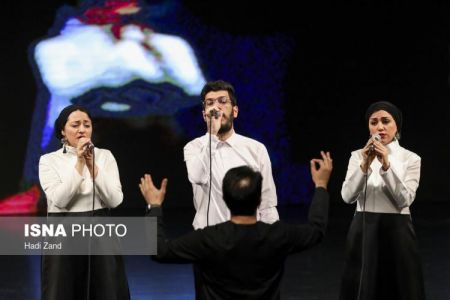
column 314, row 274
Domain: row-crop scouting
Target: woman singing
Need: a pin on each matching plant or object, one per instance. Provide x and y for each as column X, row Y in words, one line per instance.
column 382, row 259
column 67, row 176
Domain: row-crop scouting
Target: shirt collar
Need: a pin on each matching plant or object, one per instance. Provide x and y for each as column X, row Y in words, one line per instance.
column 69, row 149
column 393, row 146
column 233, row 139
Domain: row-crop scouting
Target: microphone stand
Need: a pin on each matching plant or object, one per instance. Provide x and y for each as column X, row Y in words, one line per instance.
column 88, row 289
column 210, row 168
column 363, row 235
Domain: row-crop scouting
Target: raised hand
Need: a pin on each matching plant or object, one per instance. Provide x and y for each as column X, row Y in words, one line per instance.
column 151, row 193
column 382, row 153
column 368, row 156
column 321, row 169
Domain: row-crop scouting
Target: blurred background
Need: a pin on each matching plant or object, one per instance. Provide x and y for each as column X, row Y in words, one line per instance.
column 304, row 74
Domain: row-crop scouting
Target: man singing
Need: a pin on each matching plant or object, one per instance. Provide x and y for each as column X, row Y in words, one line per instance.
column 207, row 165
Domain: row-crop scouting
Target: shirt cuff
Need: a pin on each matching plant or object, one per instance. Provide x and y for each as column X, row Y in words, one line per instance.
column 149, row 206
column 155, row 211
column 383, row 172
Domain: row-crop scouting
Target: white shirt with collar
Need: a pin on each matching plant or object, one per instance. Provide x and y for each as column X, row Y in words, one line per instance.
column 68, row 191
column 391, row 191
column 236, row 151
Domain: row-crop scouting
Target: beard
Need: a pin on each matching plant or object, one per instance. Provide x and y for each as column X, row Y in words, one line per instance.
column 226, row 127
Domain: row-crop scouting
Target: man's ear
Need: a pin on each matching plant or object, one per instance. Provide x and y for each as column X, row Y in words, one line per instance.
column 235, row 111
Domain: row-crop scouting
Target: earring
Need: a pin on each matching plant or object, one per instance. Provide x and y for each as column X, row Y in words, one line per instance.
column 397, row 135
column 63, row 142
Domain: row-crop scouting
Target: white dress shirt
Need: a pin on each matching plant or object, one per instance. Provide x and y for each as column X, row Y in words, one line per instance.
column 236, row 151
column 391, row 191
column 68, row 191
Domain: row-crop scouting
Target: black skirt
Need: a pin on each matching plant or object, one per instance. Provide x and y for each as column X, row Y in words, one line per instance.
column 66, row 276
column 392, row 266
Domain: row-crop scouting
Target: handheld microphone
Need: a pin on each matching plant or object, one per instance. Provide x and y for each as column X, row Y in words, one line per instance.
column 214, row 113
column 90, row 147
column 375, row 137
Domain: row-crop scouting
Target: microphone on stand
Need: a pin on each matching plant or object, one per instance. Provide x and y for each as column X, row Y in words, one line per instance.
column 375, row 137
column 214, row 113
column 90, row 147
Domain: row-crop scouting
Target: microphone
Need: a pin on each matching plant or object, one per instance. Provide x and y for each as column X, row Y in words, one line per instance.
column 375, row 137
column 214, row 113
column 90, row 147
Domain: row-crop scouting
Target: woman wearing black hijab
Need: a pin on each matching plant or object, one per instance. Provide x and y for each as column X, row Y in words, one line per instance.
column 382, row 259
column 66, row 176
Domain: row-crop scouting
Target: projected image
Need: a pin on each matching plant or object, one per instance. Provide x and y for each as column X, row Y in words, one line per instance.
column 107, row 57
column 130, row 59
column 98, row 49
